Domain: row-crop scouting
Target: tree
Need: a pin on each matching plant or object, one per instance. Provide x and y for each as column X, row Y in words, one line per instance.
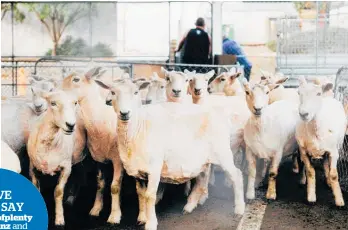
column 17, row 13
column 79, row 47
column 56, row 17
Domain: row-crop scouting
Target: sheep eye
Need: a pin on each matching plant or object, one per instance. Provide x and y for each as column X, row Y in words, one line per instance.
column 167, row 78
column 247, row 93
column 318, row 94
column 75, row 103
column 267, row 92
column 136, row 92
column 162, row 87
column 76, row 79
column 112, row 92
column 186, row 80
column 222, row 79
column 53, row 103
column 51, row 90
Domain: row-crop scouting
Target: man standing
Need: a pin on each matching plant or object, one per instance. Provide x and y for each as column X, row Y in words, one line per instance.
column 233, row 48
column 197, row 46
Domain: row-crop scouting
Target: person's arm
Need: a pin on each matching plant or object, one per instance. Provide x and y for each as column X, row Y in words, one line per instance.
column 181, row 42
column 209, row 45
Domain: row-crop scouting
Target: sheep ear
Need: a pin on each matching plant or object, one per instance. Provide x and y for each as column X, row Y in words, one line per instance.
column 282, row 80
column 143, row 84
column 302, row 80
column 139, row 79
column 273, row 86
column 102, row 84
column 234, row 75
column 263, row 78
column 246, row 84
column 155, row 76
column 163, row 70
column 94, row 72
column 210, row 74
column 327, row 87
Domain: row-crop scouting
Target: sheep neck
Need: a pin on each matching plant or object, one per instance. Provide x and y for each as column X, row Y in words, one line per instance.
column 126, row 131
column 49, row 133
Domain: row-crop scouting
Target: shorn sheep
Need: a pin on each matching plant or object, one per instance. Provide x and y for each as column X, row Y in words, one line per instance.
column 9, row 159
column 51, row 145
column 100, row 123
column 320, row 134
column 157, row 90
column 227, row 83
column 148, row 138
column 177, row 86
column 268, row 134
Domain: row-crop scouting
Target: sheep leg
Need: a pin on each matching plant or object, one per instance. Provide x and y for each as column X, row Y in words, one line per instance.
column 236, row 178
column 310, row 173
column 141, row 189
column 59, row 193
column 251, row 173
column 150, row 196
column 33, row 177
column 335, row 186
column 302, row 170
column 160, row 192
column 98, row 202
column 187, row 188
column 327, row 171
column 200, row 189
column 273, row 172
column 295, row 165
column 204, row 196
column 115, row 215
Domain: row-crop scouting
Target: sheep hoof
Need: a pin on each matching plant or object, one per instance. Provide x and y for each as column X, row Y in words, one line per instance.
column 141, row 219
column 70, row 200
column 271, row 197
column 188, row 208
column 311, row 203
column 295, row 170
column 340, row 203
column 60, row 222
column 114, row 218
column 95, row 211
column 250, row 195
column 151, row 226
column 239, row 209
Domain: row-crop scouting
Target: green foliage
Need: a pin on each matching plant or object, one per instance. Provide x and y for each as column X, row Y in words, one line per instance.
column 18, row 15
column 79, row 47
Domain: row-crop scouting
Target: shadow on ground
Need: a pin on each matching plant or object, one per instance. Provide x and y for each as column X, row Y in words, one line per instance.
column 290, row 211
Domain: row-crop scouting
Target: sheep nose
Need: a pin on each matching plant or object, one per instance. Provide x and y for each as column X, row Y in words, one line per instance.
column 38, row 106
column 108, row 102
column 176, row 92
column 124, row 115
column 257, row 109
column 70, row 126
column 197, row 91
column 304, row 115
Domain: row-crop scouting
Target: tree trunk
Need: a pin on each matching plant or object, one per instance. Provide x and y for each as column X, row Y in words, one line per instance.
column 54, row 50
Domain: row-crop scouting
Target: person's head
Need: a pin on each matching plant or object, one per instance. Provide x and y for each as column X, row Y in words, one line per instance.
column 200, row 22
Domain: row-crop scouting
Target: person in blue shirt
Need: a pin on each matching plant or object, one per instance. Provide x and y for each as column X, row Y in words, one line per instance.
column 233, row 48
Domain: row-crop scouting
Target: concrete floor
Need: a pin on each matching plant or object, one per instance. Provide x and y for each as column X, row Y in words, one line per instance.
column 289, row 211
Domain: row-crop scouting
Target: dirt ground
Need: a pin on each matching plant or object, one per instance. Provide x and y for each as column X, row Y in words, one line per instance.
column 289, row 211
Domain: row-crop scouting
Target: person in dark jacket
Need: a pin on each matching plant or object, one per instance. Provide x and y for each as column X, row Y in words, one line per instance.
column 197, row 44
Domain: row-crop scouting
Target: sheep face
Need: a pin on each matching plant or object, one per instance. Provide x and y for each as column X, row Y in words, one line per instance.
column 82, row 84
column 125, row 96
column 311, row 99
column 62, row 105
column 222, row 82
column 257, row 96
column 199, row 84
column 156, row 90
column 38, row 85
column 177, row 83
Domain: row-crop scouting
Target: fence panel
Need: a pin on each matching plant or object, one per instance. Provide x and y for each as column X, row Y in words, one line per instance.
column 341, row 93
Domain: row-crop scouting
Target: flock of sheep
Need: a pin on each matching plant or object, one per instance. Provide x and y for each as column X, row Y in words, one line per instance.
column 180, row 130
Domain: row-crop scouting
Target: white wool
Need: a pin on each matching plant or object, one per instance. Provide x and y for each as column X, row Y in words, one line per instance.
column 274, row 131
column 9, row 159
column 326, row 132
